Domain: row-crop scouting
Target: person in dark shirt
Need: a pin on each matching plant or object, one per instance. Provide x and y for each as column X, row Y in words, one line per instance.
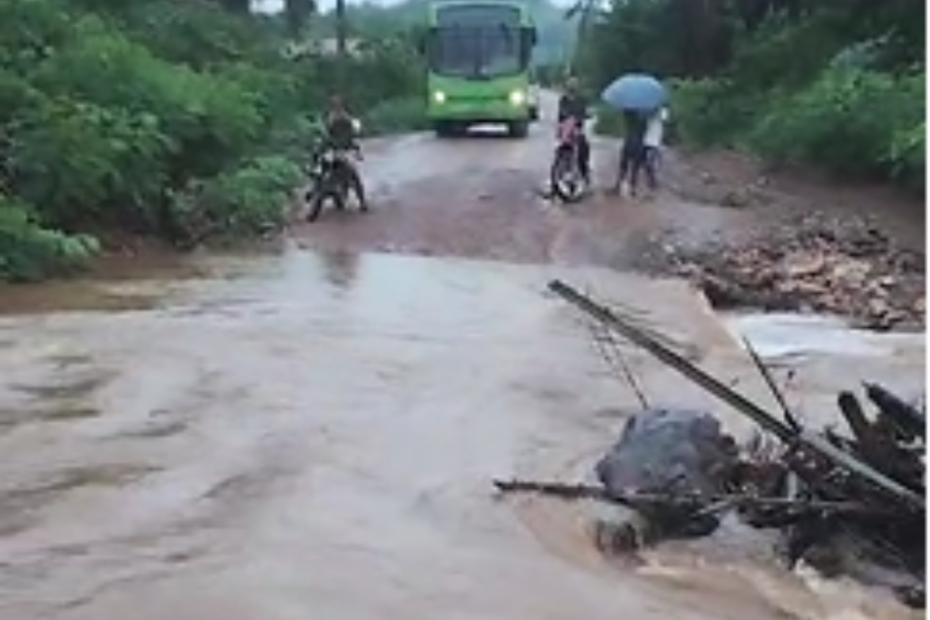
column 633, row 153
column 573, row 105
column 340, row 126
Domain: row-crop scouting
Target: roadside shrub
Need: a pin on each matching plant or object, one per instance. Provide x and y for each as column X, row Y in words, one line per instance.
column 396, row 115
column 712, row 111
column 608, row 122
column 908, row 156
column 29, row 251
column 177, row 119
column 848, row 121
column 251, row 198
column 79, row 160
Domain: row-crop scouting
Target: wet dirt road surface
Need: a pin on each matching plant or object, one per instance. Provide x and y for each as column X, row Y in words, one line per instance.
column 482, row 197
column 310, row 434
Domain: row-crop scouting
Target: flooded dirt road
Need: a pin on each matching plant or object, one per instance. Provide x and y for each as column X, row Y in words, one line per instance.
column 295, row 436
column 481, row 197
column 313, row 434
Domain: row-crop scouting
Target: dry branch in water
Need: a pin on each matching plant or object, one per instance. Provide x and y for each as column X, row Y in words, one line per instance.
column 815, row 486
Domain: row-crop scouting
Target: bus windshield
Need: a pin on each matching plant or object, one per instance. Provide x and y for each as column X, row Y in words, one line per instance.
column 477, row 51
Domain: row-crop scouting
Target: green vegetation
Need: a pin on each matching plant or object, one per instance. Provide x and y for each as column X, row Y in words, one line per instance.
column 835, row 84
column 181, row 120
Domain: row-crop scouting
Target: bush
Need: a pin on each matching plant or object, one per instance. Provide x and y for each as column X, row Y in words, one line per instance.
column 849, row 121
column 174, row 119
column 249, row 199
column 608, row 121
column 908, row 156
column 30, row 251
column 712, row 111
column 102, row 157
column 396, row 115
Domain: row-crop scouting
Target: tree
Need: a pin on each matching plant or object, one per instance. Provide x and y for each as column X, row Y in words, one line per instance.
column 341, row 29
column 236, row 6
column 297, row 13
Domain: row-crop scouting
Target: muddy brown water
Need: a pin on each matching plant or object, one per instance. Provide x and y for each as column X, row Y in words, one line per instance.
column 284, row 439
column 313, row 434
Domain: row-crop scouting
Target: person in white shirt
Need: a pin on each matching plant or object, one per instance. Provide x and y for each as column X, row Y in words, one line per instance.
column 655, row 133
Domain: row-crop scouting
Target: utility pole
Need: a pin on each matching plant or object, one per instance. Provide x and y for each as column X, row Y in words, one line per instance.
column 341, row 44
column 582, row 9
column 341, row 28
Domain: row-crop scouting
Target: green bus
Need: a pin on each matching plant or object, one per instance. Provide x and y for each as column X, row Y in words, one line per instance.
column 478, row 60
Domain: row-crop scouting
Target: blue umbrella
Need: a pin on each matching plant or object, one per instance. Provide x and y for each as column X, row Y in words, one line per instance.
column 635, row 91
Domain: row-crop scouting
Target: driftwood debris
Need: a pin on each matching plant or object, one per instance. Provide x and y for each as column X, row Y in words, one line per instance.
column 717, row 501
column 866, row 485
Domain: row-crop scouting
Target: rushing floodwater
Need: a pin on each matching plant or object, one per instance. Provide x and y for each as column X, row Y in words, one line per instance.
column 309, row 436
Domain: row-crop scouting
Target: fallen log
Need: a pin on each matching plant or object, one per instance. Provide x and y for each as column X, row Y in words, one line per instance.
column 906, row 420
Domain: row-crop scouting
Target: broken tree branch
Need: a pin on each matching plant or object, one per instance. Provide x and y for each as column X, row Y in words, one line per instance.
column 816, row 445
column 574, row 492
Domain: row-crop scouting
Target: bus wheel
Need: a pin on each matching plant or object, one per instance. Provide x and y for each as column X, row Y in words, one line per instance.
column 444, row 129
column 518, row 129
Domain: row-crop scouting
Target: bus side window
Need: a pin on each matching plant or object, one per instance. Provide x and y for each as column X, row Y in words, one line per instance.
column 529, row 40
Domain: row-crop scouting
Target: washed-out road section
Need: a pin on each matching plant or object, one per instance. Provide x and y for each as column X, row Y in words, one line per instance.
column 313, row 434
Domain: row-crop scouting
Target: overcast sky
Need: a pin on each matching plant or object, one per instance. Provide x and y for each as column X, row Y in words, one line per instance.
column 276, row 5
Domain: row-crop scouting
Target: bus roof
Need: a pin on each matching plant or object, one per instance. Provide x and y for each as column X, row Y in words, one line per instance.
column 526, row 17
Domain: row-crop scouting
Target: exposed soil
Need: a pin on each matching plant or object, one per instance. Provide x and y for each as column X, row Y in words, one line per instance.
column 856, row 251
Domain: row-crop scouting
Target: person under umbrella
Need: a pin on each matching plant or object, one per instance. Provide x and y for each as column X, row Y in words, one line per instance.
column 637, row 96
column 632, row 153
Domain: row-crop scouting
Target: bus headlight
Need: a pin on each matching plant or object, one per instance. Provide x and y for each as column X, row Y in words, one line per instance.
column 439, row 96
column 517, row 97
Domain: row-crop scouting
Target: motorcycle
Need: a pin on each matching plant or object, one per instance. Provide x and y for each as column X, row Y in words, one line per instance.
column 565, row 178
column 333, row 175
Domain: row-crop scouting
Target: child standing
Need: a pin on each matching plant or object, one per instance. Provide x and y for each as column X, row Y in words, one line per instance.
column 655, row 133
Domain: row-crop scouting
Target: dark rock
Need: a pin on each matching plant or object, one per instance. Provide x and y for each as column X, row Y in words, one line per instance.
column 669, row 450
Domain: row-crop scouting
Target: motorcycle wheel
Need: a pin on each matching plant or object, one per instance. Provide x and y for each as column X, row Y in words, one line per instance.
column 340, row 198
column 316, row 206
column 565, row 178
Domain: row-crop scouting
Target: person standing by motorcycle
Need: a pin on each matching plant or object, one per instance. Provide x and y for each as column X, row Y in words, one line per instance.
column 573, row 105
column 342, row 131
column 633, row 153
